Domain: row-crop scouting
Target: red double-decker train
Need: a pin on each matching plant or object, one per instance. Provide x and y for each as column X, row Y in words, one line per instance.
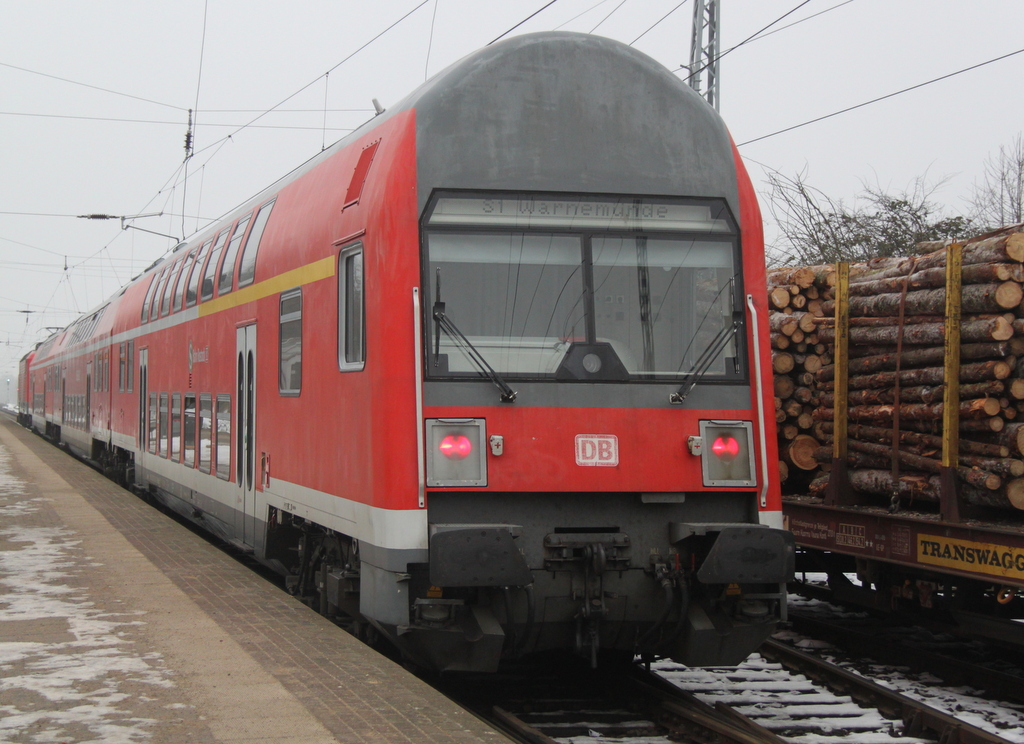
column 487, row 377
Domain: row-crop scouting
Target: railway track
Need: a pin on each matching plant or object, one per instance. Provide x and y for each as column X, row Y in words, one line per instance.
column 956, row 661
column 779, row 695
column 819, row 700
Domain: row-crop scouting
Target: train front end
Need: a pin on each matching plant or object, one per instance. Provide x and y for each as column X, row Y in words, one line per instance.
column 597, row 460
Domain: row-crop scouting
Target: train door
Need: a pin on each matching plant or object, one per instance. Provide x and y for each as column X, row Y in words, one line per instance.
column 88, row 397
column 142, row 433
column 245, row 433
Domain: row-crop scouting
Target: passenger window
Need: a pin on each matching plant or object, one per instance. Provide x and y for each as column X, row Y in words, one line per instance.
column 151, row 438
column 131, row 366
column 223, row 448
column 192, row 293
column 210, row 272
column 189, row 433
column 176, row 427
column 227, row 269
column 351, row 310
column 205, row 431
column 247, row 264
column 290, row 356
column 163, row 449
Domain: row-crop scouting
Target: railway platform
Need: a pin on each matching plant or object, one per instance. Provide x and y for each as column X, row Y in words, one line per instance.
column 118, row 624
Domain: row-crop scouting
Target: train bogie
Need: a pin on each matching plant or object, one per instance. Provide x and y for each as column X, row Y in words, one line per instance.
column 485, row 376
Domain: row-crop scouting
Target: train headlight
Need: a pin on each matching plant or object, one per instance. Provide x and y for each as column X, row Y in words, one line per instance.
column 729, row 461
column 456, row 452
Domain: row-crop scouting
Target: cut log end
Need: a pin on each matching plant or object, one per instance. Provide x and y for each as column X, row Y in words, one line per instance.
column 1015, row 492
column 800, row 452
column 782, row 362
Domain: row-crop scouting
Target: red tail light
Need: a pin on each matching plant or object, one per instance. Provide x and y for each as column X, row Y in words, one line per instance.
column 456, row 447
column 728, row 458
column 726, row 448
column 457, row 453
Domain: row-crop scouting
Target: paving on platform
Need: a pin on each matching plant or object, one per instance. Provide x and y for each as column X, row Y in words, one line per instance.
column 118, row 624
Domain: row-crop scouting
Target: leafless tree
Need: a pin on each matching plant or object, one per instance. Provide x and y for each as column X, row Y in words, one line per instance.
column 813, row 227
column 816, row 229
column 998, row 200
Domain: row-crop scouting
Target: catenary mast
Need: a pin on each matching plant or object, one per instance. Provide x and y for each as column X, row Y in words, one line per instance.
column 704, row 50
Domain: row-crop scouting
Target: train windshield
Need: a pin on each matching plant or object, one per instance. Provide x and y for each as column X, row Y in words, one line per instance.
column 588, row 289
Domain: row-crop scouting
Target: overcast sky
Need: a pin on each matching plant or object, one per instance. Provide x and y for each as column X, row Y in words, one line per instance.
column 94, row 100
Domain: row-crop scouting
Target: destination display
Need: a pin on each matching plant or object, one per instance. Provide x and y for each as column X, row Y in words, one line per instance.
column 601, row 214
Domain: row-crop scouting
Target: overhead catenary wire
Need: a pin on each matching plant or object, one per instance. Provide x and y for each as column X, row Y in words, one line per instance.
column 193, row 116
column 881, row 98
column 660, row 21
column 122, row 120
column 595, row 6
column 202, row 54
column 430, row 41
column 760, row 35
column 300, row 111
column 535, row 13
column 313, row 82
column 218, row 144
column 764, row 34
column 93, row 87
column 621, row 3
column 323, row 134
column 747, row 40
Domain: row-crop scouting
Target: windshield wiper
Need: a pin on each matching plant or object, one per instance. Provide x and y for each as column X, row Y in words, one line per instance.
column 443, row 322
column 704, row 362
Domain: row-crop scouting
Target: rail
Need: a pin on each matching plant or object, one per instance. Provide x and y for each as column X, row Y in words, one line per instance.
column 919, row 719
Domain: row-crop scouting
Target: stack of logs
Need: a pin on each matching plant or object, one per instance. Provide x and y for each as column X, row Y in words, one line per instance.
column 991, row 461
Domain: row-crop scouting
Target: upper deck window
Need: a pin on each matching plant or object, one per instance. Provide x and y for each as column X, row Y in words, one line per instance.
column 149, row 297
column 581, row 288
column 192, row 293
column 227, row 270
column 154, row 302
column 247, row 264
column 179, row 287
column 167, row 291
column 210, row 272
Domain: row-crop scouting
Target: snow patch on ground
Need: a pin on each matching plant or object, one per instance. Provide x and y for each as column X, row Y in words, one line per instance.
column 65, row 666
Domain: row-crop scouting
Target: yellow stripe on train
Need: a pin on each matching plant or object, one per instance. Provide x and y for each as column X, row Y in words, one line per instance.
column 303, row 275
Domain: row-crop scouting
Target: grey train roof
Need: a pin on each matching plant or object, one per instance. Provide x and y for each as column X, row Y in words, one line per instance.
column 569, row 112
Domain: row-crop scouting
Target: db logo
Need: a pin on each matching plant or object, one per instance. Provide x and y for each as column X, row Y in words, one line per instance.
column 597, row 449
